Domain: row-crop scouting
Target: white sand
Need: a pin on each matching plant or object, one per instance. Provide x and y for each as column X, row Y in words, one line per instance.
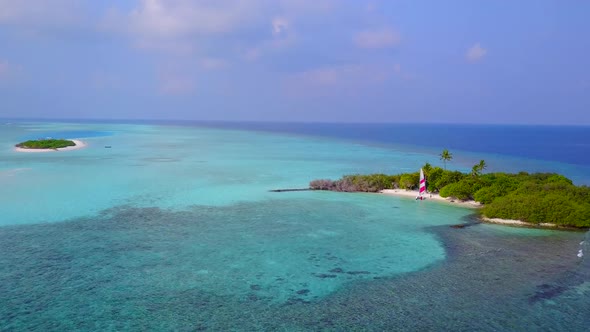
column 470, row 204
column 428, row 196
column 505, row 221
column 517, row 222
column 79, row 145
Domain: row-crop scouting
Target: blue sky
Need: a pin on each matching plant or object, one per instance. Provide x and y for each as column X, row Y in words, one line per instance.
column 297, row 60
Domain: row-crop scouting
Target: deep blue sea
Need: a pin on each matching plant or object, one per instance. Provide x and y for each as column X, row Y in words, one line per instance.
column 567, row 144
column 171, row 226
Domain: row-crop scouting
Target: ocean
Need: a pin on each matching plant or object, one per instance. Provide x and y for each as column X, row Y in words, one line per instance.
column 174, row 228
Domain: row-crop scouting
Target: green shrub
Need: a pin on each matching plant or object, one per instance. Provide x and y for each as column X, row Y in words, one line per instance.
column 409, row 180
column 448, row 177
column 534, row 198
column 461, row 190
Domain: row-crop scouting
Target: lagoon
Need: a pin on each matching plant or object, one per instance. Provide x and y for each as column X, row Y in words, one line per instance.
column 174, row 228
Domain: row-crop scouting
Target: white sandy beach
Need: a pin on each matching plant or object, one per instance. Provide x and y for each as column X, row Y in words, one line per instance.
column 517, row 222
column 79, row 145
column 428, row 196
column 469, row 204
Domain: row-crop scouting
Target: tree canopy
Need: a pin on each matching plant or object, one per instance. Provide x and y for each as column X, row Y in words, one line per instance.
column 46, row 144
column 534, row 198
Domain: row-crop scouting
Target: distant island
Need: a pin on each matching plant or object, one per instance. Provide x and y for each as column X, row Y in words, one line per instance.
column 46, row 145
column 535, row 199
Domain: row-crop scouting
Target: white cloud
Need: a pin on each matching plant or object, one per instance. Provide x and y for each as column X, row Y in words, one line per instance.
column 475, row 53
column 181, row 26
column 211, row 34
column 193, row 26
column 177, row 18
column 283, row 36
column 279, row 26
column 378, row 38
column 201, row 36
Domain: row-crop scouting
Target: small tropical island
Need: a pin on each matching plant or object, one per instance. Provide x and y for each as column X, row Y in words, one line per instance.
column 45, row 145
column 537, row 199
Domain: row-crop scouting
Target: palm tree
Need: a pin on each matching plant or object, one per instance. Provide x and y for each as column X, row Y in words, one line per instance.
column 446, row 156
column 475, row 170
column 482, row 165
column 478, row 168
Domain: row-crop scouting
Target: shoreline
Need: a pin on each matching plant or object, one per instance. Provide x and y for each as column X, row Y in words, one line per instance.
column 79, row 145
column 429, row 196
column 520, row 223
column 473, row 205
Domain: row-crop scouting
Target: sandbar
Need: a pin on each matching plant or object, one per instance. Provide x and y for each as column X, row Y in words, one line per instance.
column 79, row 145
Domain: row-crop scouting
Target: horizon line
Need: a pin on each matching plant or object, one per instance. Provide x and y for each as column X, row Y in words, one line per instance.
column 169, row 121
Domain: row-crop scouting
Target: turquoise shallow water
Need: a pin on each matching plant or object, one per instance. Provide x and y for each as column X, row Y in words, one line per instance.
column 173, row 228
column 172, row 167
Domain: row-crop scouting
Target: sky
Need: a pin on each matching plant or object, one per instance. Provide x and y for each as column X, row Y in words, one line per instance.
column 453, row 61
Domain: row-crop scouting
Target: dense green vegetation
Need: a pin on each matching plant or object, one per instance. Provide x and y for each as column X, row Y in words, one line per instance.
column 535, row 198
column 46, row 144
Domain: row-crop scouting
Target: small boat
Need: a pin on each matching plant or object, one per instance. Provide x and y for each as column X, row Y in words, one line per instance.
column 107, row 146
column 422, row 190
